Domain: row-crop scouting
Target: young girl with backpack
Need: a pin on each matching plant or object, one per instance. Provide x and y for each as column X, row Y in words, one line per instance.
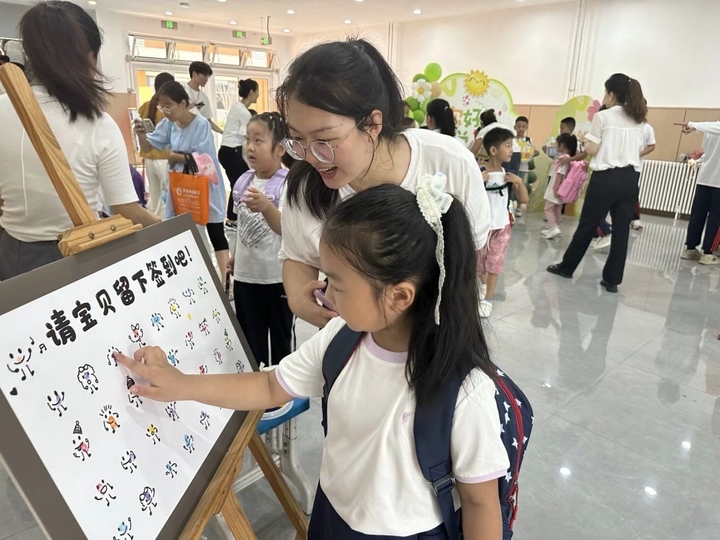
column 567, row 147
column 408, row 346
column 260, row 302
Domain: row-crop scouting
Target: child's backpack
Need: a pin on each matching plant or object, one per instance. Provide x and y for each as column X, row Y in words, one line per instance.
column 272, row 189
column 571, row 187
column 433, row 426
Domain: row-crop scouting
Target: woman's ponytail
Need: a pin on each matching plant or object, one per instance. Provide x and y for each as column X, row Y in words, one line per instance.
column 442, row 113
column 628, row 93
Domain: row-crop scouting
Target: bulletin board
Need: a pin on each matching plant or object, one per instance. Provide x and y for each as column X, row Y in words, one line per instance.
column 92, row 460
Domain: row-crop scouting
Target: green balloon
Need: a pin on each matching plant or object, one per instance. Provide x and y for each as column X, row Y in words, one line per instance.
column 419, row 116
column 412, row 103
column 433, row 72
column 419, row 76
column 532, row 177
column 423, row 106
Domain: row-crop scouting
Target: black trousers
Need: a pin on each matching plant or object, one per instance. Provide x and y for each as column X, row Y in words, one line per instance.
column 263, row 309
column 235, row 166
column 705, row 214
column 17, row 257
column 615, row 191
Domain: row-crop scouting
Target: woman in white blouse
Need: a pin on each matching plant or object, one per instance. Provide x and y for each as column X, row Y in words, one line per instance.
column 72, row 96
column 614, row 142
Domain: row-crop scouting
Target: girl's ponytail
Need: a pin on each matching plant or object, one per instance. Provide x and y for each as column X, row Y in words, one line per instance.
column 442, row 113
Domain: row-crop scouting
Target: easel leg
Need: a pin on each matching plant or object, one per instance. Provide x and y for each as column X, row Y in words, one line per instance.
column 236, row 519
column 279, row 486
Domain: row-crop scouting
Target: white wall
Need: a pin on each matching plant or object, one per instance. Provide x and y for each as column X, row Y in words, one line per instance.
column 669, row 46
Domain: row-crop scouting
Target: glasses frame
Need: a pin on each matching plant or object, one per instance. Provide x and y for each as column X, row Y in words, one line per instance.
column 289, row 143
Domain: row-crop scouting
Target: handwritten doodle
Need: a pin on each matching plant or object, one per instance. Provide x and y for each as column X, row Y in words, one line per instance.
column 56, row 403
column 147, row 499
column 19, row 362
column 189, row 443
column 190, row 295
column 110, row 418
column 216, row 315
column 203, row 369
column 239, row 366
column 228, row 342
column 87, row 378
column 128, row 461
column 189, row 341
column 80, row 445
column 133, row 399
column 153, row 433
column 174, row 308
column 105, row 490
column 157, row 321
column 171, row 469
column 172, row 357
column 171, row 411
column 202, row 285
column 43, row 348
column 136, row 335
column 110, row 356
column 217, row 355
column 204, row 420
column 204, row 327
column 124, row 530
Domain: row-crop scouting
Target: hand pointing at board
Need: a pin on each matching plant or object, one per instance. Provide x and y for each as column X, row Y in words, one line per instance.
column 241, row 391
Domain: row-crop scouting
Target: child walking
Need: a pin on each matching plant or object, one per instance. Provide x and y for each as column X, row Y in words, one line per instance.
column 405, row 281
column 567, row 146
column 498, row 144
column 260, row 301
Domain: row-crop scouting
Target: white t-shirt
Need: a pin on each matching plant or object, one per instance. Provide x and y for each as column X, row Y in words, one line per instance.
column 235, row 132
column 257, row 246
column 620, row 138
column 369, row 470
column 198, row 96
column 555, row 170
column 96, row 152
column 709, row 174
column 499, row 217
column 430, row 153
column 648, row 135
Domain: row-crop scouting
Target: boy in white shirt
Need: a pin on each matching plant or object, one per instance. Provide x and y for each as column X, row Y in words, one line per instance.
column 498, row 144
column 200, row 73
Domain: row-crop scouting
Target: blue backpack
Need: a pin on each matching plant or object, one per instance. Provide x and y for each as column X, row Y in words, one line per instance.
column 432, row 429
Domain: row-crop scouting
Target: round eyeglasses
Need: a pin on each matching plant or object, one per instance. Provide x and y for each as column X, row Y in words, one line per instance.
column 321, row 150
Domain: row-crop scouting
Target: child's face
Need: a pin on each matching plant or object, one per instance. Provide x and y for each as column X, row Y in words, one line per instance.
column 521, row 128
column 261, row 153
column 355, row 300
column 503, row 152
column 353, row 148
column 566, row 128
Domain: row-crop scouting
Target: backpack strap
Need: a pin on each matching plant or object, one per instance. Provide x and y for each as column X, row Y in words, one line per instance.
column 272, row 189
column 241, row 185
column 432, row 430
column 336, row 357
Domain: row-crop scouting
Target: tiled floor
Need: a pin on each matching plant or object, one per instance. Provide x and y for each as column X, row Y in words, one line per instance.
column 625, row 389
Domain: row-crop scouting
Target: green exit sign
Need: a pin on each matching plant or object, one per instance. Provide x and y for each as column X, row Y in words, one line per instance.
column 239, row 34
column 266, row 40
column 169, row 25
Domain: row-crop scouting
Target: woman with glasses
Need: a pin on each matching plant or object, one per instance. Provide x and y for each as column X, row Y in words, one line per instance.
column 184, row 133
column 343, row 106
column 73, row 95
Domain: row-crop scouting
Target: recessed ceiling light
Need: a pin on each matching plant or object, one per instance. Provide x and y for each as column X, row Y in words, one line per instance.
column 185, row 5
column 222, row 0
column 348, row 21
column 168, row 13
column 418, row 12
column 286, row 30
column 650, row 491
column 291, row 12
column 233, row 23
column 687, row 445
column 358, row 0
column 92, row 2
column 565, row 471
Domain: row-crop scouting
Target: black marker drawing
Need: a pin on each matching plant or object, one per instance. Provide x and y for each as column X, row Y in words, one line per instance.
column 56, row 402
column 87, row 378
column 104, row 490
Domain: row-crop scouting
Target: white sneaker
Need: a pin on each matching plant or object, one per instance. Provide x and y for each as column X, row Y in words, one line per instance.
column 552, row 233
column 486, row 307
column 603, row 242
column 636, row 224
column 482, row 289
column 709, row 260
column 690, row 255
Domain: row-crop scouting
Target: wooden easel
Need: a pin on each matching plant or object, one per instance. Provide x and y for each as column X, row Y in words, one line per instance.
column 90, row 232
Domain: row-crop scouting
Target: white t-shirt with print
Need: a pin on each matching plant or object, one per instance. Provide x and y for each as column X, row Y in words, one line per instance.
column 369, row 469
column 257, row 246
column 430, row 153
column 499, row 217
column 198, row 96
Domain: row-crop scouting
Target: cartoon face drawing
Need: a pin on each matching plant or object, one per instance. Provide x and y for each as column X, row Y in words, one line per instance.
column 157, row 321
column 110, row 418
column 190, row 295
column 171, row 469
column 216, row 315
column 228, row 342
column 87, row 378
column 174, row 308
column 171, row 411
column 56, row 402
column 133, row 399
column 104, row 492
column 81, row 446
column 204, row 327
column 189, row 341
column 189, row 443
column 239, row 366
column 136, row 335
column 110, row 359
column 202, row 285
column 153, row 433
column 124, row 530
column 217, row 355
column 172, row 357
column 203, row 369
column 147, row 499
column 18, row 362
column 204, row 419
column 128, row 461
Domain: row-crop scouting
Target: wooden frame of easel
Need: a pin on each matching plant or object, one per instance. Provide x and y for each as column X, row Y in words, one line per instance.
column 90, row 232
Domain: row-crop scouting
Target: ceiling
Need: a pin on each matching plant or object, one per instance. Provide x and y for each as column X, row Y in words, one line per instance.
column 310, row 15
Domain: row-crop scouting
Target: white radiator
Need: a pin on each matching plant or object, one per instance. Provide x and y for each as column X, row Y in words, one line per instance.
column 667, row 186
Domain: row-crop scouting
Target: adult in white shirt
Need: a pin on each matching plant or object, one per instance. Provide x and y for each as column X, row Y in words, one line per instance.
column 343, row 106
column 72, row 96
column 614, row 142
column 200, row 73
column 705, row 213
column 231, row 154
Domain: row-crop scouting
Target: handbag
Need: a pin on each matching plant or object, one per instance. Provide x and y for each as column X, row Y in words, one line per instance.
column 190, row 192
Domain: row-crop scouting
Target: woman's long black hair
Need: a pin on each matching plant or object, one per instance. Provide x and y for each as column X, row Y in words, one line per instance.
column 381, row 233
column 442, row 113
column 348, row 78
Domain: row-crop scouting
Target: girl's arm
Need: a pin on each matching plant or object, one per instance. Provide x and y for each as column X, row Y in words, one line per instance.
column 559, row 177
column 256, row 201
column 481, row 516
column 241, row 391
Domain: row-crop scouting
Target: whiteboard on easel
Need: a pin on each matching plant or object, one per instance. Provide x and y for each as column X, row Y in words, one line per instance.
column 87, row 455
